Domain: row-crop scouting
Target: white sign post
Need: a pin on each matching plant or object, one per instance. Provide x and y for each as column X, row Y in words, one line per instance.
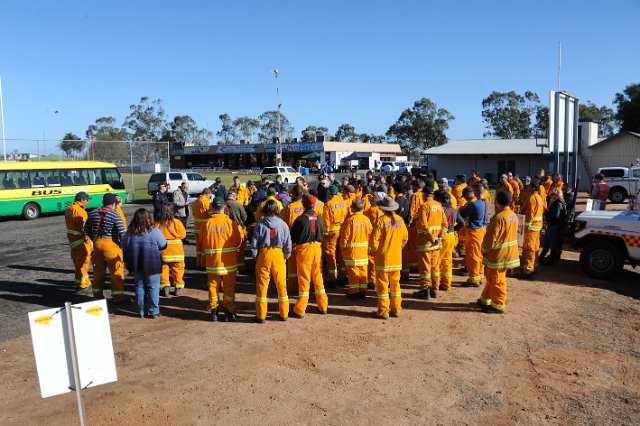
column 520, row 230
column 73, row 350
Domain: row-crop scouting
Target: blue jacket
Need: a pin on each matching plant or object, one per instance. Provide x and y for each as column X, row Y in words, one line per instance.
column 476, row 213
column 142, row 252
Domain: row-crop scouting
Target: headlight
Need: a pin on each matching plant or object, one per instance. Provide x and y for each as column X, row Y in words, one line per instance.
column 580, row 224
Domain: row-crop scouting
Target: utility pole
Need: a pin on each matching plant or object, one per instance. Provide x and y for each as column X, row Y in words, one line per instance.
column 4, row 140
column 279, row 141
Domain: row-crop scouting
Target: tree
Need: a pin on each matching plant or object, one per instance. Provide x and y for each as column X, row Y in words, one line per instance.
column 109, row 140
column 603, row 115
column 246, row 127
column 420, row 127
column 184, row 129
column 346, row 133
column 147, row 122
column 508, row 114
column 628, row 103
column 227, row 133
column 269, row 126
column 309, row 134
column 542, row 122
column 312, row 133
column 71, row 144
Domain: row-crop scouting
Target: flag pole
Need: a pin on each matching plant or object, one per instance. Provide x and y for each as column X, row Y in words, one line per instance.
column 4, row 140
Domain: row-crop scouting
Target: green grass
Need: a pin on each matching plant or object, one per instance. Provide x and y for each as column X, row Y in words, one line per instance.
column 140, row 180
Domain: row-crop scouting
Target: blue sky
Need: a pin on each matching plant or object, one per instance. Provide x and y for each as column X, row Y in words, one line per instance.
column 360, row 62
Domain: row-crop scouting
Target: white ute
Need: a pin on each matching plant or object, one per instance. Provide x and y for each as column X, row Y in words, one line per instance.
column 608, row 240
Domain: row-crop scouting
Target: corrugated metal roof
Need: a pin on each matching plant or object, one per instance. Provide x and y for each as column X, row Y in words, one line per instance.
column 488, row 146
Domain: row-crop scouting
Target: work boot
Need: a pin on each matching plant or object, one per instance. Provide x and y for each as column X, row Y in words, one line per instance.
column 362, row 295
column 491, row 310
column 394, row 314
column 166, row 291
column 432, row 293
column 374, row 314
column 259, row 321
column 422, row 294
column 178, row 291
column 229, row 316
column 213, row 317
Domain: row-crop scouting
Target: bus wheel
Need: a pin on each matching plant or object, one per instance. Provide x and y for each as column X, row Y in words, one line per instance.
column 31, row 211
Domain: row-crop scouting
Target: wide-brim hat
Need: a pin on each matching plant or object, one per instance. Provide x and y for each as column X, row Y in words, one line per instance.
column 388, row 204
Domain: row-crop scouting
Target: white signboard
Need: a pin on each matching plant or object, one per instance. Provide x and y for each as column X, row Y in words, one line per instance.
column 93, row 346
column 520, row 230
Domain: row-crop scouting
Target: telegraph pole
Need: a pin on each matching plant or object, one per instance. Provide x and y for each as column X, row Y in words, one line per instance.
column 279, row 141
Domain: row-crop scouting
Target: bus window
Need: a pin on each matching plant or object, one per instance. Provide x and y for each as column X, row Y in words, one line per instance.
column 113, row 178
column 66, row 179
column 81, row 177
column 10, row 180
column 52, row 177
column 96, row 176
column 37, row 179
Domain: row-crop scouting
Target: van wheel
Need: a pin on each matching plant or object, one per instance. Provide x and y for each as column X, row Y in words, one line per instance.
column 617, row 195
column 601, row 259
column 31, row 211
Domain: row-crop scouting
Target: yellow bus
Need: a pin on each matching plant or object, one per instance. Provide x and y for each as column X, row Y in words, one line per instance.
column 30, row 188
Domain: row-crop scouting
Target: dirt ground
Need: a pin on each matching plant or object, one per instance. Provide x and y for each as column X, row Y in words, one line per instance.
column 566, row 352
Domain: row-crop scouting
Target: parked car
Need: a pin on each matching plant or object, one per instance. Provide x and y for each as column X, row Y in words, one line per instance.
column 396, row 167
column 623, row 182
column 608, row 239
column 197, row 182
column 288, row 174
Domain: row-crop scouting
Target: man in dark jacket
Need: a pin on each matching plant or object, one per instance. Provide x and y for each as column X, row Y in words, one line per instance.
column 160, row 198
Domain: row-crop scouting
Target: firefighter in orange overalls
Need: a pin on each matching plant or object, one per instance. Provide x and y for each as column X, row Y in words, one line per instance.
column 173, row 256
column 388, row 238
column 354, row 243
column 201, row 213
column 533, row 208
column 432, row 226
column 500, row 249
column 515, row 190
column 221, row 241
column 409, row 254
column 104, row 227
column 289, row 215
column 80, row 245
column 335, row 212
column 306, row 237
column 271, row 246
column 373, row 213
column 476, row 215
column 454, row 222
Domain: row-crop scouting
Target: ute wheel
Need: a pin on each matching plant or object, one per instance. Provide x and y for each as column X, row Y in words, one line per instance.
column 617, row 195
column 601, row 259
column 31, row 211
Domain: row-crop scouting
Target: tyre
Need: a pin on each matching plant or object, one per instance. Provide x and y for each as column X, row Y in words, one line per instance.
column 602, row 259
column 617, row 195
column 31, row 211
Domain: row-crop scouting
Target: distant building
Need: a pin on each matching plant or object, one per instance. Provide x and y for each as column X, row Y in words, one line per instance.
column 524, row 157
column 22, row 156
column 260, row 155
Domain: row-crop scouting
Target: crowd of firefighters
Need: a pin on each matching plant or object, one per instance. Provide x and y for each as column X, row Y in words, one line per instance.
column 362, row 231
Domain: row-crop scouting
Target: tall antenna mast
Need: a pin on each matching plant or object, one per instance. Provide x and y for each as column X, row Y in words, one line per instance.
column 559, row 63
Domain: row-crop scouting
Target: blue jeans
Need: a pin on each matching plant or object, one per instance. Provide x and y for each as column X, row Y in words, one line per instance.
column 147, row 293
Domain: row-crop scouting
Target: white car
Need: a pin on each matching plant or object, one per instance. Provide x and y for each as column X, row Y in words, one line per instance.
column 395, row 167
column 197, row 182
column 623, row 182
column 288, row 174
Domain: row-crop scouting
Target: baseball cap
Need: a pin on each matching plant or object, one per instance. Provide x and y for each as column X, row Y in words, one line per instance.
column 82, row 196
column 217, row 203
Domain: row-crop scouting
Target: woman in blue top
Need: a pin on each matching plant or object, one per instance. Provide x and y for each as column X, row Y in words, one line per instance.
column 141, row 246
